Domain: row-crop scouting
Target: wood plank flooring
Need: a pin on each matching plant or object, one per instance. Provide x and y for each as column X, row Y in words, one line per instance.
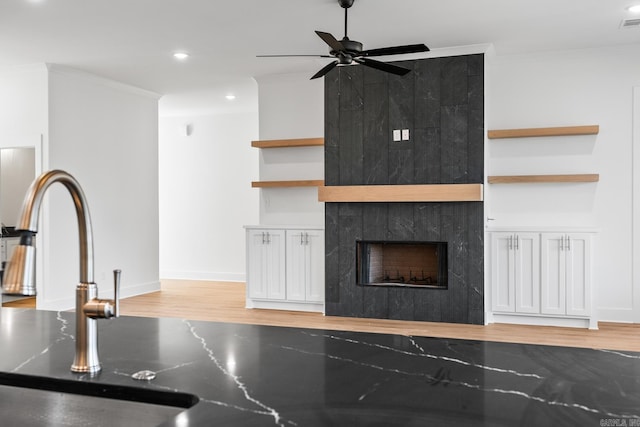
column 21, row 303
column 224, row 302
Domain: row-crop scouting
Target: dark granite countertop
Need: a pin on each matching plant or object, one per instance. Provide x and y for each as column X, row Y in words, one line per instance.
column 248, row 375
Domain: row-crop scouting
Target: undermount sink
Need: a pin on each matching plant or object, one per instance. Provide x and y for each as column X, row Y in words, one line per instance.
column 27, row 400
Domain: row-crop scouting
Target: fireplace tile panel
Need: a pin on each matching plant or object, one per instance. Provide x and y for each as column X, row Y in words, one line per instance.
column 427, row 100
column 459, row 224
column 454, row 80
column 332, row 254
column 442, row 104
column 374, row 221
column 401, row 97
column 376, row 302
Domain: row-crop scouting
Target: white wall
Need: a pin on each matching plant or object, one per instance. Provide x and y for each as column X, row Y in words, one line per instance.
column 291, row 106
column 206, row 195
column 579, row 87
column 105, row 134
column 23, row 106
column 24, row 118
column 23, row 109
column 636, row 201
column 17, row 171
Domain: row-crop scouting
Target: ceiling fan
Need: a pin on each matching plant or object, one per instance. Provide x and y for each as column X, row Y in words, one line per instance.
column 347, row 51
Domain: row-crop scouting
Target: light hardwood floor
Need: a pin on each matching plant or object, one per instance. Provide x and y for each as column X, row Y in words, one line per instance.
column 224, row 302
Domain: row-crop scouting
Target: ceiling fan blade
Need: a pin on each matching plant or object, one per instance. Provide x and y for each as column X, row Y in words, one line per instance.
column 382, row 66
column 325, row 70
column 396, row 50
column 331, row 41
column 292, row 56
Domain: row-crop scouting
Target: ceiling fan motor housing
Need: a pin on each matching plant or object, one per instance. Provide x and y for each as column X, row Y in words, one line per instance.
column 345, row 3
column 351, row 46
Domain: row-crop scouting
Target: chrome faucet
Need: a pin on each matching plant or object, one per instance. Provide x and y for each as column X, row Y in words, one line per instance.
column 19, row 276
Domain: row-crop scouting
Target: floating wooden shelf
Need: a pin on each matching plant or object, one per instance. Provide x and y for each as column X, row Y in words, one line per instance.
column 520, row 179
column 401, row 193
column 298, row 183
column 283, row 143
column 533, row 132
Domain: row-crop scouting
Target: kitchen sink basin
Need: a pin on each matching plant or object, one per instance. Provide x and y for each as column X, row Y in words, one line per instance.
column 27, row 400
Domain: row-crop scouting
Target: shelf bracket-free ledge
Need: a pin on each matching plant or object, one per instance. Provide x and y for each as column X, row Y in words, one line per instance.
column 534, row 132
column 283, row 143
column 522, row 179
column 401, row 193
column 283, row 184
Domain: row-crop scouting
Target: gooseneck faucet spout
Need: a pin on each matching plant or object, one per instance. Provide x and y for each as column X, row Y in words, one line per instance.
column 19, row 277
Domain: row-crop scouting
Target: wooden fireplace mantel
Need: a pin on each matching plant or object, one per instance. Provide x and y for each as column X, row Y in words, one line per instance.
column 401, row 193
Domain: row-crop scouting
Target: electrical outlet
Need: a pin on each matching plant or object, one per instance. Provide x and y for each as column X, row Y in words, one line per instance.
column 396, row 135
column 405, row 134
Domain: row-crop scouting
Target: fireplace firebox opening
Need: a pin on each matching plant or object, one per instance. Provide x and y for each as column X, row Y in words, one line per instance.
column 402, row 264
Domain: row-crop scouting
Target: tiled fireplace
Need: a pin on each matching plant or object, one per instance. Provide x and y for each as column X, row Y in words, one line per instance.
column 441, row 103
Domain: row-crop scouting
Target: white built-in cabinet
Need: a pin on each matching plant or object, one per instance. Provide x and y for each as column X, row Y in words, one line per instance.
column 515, row 270
column 265, row 264
column 566, row 274
column 285, row 268
column 542, row 277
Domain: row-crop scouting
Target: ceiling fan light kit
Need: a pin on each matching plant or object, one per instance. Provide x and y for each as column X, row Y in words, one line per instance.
column 347, row 51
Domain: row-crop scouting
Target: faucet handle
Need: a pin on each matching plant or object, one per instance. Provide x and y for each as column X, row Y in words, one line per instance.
column 105, row 308
column 116, row 292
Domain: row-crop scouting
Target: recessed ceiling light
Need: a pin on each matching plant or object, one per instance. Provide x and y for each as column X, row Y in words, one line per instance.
column 181, row 56
column 634, row 9
column 230, row 97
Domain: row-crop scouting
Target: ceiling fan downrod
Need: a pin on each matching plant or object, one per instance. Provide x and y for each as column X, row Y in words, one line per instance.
column 345, row 4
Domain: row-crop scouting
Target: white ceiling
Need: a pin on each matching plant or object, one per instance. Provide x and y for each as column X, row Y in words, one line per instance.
column 131, row 41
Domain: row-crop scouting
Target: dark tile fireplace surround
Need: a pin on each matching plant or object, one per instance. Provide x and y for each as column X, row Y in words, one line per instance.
column 441, row 102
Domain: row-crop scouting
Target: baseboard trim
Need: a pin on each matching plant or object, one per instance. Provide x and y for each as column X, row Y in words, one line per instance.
column 285, row 305
column 204, row 275
column 570, row 322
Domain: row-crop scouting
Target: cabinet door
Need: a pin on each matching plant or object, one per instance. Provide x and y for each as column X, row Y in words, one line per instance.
column 305, row 265
column 578, row 274
column 297, row 260
column 526, row 247
column 275, row 260
column 265, row 264
column 553, row 285
column 502, row 272
column 315, row 267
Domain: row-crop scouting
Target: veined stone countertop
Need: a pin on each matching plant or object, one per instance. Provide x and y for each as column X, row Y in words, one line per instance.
column 248, row 375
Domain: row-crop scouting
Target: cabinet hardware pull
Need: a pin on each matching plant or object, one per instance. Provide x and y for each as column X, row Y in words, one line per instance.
column 263, row 237
column 301, row 238
column 568, row 243
column 562, row 243
column 517, row 242
column 306, row 238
